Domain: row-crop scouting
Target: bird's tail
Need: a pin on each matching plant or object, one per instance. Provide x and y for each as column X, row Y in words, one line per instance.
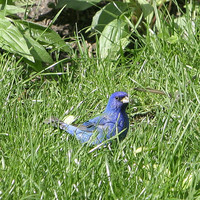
column 56, row 123
column 81, row 135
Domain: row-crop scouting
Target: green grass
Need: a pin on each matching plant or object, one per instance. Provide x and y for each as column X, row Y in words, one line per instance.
column 160, row 157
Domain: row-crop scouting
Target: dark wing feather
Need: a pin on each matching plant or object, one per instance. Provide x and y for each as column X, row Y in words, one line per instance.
column 94, row 124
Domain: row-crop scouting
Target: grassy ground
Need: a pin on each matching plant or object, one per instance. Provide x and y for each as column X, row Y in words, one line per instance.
column 159, row 159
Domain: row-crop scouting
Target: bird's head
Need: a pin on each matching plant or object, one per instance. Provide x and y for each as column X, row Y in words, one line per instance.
column 118, row 101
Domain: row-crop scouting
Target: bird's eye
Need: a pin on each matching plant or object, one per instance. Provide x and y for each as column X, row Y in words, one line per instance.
column 117, row 98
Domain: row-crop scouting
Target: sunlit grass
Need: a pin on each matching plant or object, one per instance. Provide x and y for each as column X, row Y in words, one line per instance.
column 160, row 157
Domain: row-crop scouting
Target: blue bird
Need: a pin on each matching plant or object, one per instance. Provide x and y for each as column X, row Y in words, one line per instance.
column 112, row 121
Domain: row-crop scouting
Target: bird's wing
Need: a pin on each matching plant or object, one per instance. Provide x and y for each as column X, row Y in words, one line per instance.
column 94, row 124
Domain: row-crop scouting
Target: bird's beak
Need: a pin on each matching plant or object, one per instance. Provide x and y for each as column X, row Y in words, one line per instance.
column 125, row 99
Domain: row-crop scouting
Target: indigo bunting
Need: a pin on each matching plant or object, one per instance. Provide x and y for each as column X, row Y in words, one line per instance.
column 112, row 121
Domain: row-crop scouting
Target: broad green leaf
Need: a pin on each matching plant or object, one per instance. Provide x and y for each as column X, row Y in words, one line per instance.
column 114, row 37
column 77, row 4
column 107, row 14
column 37, row 65
column 42, row 34
column 37, row 50
column 11, row 9
column 12, row 40
column 147, row 10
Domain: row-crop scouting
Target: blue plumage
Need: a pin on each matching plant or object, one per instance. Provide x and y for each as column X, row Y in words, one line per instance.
column 112, row 121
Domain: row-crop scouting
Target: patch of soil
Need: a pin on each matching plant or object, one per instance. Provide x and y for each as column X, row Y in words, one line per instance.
column 68, row 22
